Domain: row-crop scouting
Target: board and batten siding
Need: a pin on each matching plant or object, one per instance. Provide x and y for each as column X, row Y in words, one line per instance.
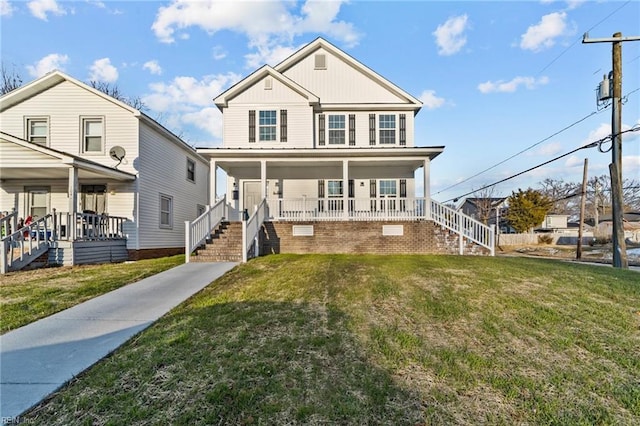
column 340, row 82
column 163, row 170
column 64, row 105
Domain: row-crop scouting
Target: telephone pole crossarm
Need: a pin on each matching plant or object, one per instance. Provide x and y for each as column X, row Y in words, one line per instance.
column 586, row 39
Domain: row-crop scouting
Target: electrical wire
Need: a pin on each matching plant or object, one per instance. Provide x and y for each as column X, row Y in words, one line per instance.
column 589, row 145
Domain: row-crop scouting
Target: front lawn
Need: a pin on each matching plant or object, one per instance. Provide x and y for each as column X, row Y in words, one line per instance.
column 339, row 339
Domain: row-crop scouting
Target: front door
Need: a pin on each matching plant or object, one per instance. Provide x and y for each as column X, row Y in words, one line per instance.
column 37, row 201
column 252, row 196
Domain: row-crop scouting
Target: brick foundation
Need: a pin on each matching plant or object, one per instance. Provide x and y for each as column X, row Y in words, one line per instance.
column 418, row 237
column 154, row 253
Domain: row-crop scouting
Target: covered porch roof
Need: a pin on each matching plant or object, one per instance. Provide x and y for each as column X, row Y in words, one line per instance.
column 21, row 160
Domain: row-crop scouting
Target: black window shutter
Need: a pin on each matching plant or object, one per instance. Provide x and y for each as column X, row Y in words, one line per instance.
column 283, row 125
column 403, row 188
column 321, row 130
column 372, row 129
column 403, row 129
column 352, row 130
column 372, row 188
column 252, row 125
column 320, row 188
column 351, row 188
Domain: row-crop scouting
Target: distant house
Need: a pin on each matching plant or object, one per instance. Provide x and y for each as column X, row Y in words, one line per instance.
column 322, row 150
column 101, row 180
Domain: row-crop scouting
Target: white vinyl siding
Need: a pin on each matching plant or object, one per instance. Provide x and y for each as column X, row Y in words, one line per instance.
column 38, row 130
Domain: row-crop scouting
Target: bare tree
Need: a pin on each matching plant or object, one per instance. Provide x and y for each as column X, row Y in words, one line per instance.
column 563, row 195
column 11, row 80
column 485, row 203
column 114, row 91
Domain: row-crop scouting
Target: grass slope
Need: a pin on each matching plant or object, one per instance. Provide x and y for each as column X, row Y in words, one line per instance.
column 27, row 296
column 409, row 340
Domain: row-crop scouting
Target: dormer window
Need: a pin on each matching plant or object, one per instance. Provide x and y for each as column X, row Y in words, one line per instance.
column 320, row 61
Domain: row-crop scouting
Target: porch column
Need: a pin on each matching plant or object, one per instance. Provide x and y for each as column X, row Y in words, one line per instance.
column 427, row 188
column 213, row 181
column 73, row 203
column 345, row 189
column 263, row 178
column 73, row 190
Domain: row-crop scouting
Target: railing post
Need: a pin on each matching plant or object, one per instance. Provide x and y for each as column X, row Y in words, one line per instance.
column 304, row 207
column 187, row 241
column 244, row 240
column 54, row 232
column 3, row 257
column 492, row 240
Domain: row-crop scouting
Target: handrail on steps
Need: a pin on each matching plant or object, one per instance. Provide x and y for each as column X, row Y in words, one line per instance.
column 198, row 230
column 21, row 243
column 251, row 230
column 465, row 226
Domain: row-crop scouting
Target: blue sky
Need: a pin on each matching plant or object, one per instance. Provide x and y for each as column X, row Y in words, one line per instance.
column 495, row 77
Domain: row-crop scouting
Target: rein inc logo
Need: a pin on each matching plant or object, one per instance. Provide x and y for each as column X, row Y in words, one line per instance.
column 17, row 420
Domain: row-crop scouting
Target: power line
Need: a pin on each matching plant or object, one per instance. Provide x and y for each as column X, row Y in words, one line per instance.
column 580, row 39
column 589, row 145
column 532, row 146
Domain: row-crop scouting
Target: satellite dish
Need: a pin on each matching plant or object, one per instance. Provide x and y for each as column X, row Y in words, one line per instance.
column 117, row 153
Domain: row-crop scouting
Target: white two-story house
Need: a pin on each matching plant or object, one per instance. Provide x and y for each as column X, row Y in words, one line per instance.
column 120, row 184
column 320, row 142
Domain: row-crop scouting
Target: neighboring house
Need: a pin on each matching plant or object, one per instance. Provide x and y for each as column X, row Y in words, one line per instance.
column 554, row 222
column 325, row 142
column 121, row 185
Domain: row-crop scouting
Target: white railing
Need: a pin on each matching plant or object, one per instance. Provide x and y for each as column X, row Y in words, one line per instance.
column 8, row 224
column 196, row 232
column 251, row 231
column 330, row 209
column 25, row 243
column 465, row 226
column 87, row 226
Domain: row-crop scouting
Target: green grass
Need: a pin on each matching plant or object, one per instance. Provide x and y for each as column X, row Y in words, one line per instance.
column 30, row 295
column 337, row 339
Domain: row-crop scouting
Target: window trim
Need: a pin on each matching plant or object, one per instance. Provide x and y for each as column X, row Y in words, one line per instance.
column 168, row 225
column 333, row 131
column 89, row 118
column 383, row 127
column 193, row 179
column 340, row 184
column 273, row 126
column 27, row 128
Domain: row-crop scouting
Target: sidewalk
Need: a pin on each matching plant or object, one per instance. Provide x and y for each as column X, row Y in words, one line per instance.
column 37, row 359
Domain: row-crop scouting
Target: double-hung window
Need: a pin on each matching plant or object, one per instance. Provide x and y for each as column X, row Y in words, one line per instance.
column 38, row 130
column 388, row 188
column 336, row 130
column 191, row 170
column 387, row 124
column 166, row 211
column 92, row 134
column 267, row 126
column 334, row 188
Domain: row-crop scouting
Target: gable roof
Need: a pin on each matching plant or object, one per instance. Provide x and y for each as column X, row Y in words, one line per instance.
column 222, row 99
column 48, row 81
column 319, row 43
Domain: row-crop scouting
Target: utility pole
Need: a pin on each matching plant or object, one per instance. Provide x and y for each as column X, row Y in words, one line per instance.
column 615, row 168
column 582, row 204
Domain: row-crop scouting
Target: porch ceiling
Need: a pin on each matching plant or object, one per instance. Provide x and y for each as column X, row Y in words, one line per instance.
column 58, row 172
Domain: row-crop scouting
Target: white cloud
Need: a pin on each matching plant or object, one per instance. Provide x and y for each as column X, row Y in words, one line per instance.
column 40, row 8
column 5, row 8
column 102, row 70
column 450, row 36
column 219, row 53
column 543, row 34
column 430, row 100
column 54, row 61
column 549, row 149
column 188, row 101
column 270, row 26
column 502, row 86
column 153, row 67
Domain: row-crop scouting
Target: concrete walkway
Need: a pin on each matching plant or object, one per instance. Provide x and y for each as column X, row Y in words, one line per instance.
column 37, row 359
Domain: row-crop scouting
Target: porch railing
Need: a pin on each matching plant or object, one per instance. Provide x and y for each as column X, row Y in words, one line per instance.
column 87, row 226
column 384, row 208
column 198, row 230
column 251, row 230
column 25, row 244
column 8, row 223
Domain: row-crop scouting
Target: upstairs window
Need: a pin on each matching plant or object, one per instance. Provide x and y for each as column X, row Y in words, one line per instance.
column 387, row 125
column 92, row 135
column 38, row 130
column 336, row 130
column 191, row 170
column 267, row 126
